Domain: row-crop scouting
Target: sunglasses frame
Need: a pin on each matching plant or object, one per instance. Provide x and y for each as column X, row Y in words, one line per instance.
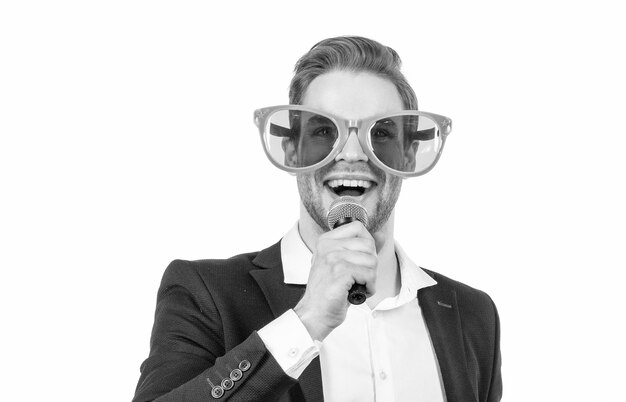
column 345, row 127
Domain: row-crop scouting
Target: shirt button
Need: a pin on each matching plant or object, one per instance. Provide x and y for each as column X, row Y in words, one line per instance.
column 382, row 375
column 293, row 352
column 375, row 314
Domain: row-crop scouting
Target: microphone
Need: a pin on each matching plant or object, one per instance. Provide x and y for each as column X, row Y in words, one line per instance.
column 345, row 210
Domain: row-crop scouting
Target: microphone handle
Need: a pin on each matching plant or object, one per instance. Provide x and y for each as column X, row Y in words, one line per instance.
column 356, row 295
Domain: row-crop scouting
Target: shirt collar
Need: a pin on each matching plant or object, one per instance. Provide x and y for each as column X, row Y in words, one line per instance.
column 296, row 258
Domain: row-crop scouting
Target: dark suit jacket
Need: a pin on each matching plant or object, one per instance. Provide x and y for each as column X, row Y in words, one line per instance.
column 208, row 312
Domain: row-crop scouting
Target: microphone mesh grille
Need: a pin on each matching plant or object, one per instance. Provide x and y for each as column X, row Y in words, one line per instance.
column 344, row 207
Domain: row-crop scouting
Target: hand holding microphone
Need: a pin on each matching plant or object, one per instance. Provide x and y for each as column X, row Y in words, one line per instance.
column 345, row 256
column 342, row 211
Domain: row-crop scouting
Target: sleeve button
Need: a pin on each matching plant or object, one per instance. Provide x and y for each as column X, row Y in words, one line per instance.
column 293, row 352
column 217, row 392
column 244, row 365
column 227, row 383
column 236, row 375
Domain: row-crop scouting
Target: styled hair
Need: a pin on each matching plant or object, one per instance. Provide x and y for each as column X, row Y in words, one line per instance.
column 350, row 53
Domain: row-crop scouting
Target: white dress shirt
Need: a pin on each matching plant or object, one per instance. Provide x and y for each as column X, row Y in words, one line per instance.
column 381, row 354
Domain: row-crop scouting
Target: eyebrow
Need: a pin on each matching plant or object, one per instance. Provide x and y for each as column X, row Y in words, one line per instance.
column 318, row 119
column 387, row 121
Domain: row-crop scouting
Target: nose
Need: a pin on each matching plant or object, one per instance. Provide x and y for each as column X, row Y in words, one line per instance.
column 352, row 151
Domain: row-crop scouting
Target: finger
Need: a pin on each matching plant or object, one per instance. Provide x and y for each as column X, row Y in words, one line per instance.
column 363, row 277
column 325, row 244
column 357, row 258
column 352, row 229
column 363, row 245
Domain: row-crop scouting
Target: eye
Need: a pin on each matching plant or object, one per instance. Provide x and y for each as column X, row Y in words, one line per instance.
column 381, row 134
column 324, row 132
column 384, row 130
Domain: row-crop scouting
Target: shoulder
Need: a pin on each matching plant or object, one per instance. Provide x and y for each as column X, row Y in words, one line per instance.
column 469, row 299
column 219, row 285
column 192, row 273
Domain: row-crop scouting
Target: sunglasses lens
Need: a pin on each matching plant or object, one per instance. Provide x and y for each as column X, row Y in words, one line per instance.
column 407, row 143
column 298, row 138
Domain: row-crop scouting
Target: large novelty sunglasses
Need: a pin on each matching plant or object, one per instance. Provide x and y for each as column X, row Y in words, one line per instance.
column 299, row 139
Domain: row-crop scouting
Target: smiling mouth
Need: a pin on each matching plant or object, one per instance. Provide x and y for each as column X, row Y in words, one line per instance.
column 353, row 188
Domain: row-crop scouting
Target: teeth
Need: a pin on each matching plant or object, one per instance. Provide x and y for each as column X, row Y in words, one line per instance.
column 349, row 183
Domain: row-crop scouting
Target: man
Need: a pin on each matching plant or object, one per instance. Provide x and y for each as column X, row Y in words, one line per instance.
column 276, row 324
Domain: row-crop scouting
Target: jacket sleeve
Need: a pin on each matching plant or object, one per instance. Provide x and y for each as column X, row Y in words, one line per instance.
column 495, row 390
column 188, row 360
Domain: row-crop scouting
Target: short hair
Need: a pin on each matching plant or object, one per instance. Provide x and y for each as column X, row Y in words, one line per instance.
column 350, row 53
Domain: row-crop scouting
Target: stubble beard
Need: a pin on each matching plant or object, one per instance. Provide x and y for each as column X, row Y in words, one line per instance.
column 388, row 188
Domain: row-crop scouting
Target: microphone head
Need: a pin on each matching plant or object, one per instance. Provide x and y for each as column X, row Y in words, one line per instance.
column 346, row 209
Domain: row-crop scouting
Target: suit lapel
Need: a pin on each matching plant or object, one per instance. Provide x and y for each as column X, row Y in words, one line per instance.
column 281, row 297
column 441, row 313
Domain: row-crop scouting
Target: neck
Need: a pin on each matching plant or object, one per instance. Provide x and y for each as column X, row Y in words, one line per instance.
column 388, row 273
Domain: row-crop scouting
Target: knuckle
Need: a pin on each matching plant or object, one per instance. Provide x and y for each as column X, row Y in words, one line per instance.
column 322, row 244
column 372, row 261
column 335, row 257
column 369, row 245
column 329, row 257
column 337, row 265
column 372, row 275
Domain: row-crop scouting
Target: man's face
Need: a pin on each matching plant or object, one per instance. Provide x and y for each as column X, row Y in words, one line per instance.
column 352, row 96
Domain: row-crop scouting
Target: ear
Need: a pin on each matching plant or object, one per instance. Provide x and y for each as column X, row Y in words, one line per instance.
column 291, row 156
column 410, row 155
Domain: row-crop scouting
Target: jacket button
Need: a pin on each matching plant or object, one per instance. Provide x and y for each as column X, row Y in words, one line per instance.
column 217, row 392
column 227, row 383
column 236, row 375
column 244, row 365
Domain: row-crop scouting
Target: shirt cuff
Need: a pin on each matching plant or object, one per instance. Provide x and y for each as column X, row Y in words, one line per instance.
column 289, row 342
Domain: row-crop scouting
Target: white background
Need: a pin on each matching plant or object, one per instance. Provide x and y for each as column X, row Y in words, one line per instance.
column 127, row 141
